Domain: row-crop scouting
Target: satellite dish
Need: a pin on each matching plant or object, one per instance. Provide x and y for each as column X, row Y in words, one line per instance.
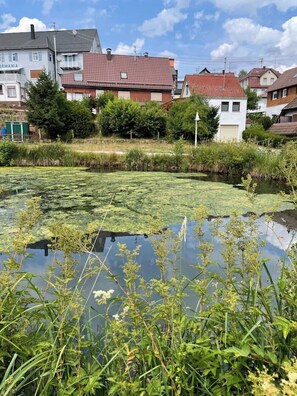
column 59, row 58
column 74, row 32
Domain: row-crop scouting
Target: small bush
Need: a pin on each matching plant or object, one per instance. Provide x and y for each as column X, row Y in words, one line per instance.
column 136, row 159
column 258, row 134
column 7, row 150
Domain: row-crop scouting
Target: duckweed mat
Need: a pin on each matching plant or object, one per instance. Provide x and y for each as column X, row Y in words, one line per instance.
column 117, row 201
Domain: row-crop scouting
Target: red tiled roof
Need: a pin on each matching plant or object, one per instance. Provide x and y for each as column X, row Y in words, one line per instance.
column 287, row 79
column 259, row 71
column 215, row 85
column 142, row 72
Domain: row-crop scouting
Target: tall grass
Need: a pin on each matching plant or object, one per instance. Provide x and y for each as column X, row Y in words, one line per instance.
column 226, row 158
column 238, row 334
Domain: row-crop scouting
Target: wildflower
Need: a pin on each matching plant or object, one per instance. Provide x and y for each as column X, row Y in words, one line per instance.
column 116, row 317
column 125, row 311
column 101, row 296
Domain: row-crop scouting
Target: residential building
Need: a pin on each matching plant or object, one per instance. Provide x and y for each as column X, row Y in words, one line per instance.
column 259, row 79
column 24, row 55
column 140, row 78
column 222, row 90
column 282, row 96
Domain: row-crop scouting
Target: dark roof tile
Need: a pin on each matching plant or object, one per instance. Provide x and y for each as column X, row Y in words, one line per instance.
column 287, row 79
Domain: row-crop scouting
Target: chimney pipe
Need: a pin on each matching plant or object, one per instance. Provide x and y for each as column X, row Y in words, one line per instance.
column 32, row 32
column 108, row 54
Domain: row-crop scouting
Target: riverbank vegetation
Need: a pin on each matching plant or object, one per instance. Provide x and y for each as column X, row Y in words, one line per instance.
column 237, row 336
column 226, row 158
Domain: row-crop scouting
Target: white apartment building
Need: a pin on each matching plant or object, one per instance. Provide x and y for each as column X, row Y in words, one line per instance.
column 24, row 55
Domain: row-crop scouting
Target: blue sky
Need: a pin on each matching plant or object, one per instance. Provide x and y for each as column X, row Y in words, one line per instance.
column 197, row 33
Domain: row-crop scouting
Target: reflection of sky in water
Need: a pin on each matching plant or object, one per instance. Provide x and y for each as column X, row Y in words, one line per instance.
column 277, row 236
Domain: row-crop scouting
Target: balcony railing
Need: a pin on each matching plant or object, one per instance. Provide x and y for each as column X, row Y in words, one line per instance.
column 70, row 65
column 12, row 78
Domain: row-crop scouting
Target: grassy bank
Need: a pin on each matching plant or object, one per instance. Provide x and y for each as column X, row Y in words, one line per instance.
column 140, row 338
column 232, row 158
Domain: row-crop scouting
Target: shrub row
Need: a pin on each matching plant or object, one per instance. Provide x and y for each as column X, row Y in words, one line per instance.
column 225, row 158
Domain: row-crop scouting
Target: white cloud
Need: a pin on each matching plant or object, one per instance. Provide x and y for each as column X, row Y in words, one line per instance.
column 47, row 6
column 288, row 41
column 170, row 54
column 24, row 25
column 251, row 39
column 223, row 50
column 177, row 3
column 163, row 23
column 125, row 49
column 245, row 30
column 7, row 21
column 251, row 5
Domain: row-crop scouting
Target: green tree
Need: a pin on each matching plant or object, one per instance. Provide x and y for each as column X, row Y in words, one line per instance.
column 243, row 73
column 79, row 119
column 152, row 121
column 47, row 106
column 120, row 116
column 102, row 100
column 181, row 119
column 252, row 98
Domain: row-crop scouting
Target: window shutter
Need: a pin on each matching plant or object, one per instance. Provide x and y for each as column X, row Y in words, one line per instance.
column 10, row 57
column 30, row 56
column 40, row 56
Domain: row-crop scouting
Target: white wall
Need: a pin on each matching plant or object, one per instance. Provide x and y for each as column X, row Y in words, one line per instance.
column 231, row 117
column 274, row 110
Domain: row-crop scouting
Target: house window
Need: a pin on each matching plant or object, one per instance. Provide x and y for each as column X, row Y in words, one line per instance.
column 236, row 106
column 78, row 96
column 264, row 80
column 70, row 60
column 11, row 92
column 124, row 75
column 274, row 95
column 225, row 106
column 284, row 93
column 14, row 57
column 272, row 80
column 78, row 77
column 50, row 57
column 35, row 56
column 2, row 57
column 1, row 89
column 124, row 94
column 156, row 96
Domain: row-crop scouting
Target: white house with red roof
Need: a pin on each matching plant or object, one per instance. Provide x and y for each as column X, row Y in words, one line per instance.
column 221, row 90
column 259, row 79
column 140, row 78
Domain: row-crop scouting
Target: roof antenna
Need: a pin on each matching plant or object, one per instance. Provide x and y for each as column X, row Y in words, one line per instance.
column 224, row 72
column 134, row 46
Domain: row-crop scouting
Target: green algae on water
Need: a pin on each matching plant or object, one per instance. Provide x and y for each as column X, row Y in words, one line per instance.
column 117, row 201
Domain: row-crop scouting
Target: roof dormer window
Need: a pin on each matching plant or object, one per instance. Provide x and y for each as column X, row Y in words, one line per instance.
column 124, row 75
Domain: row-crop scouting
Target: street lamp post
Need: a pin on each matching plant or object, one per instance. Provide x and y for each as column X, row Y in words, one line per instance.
column 197, row 118
column 56, row 63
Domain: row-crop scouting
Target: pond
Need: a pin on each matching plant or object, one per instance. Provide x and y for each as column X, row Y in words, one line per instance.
column 120, row 205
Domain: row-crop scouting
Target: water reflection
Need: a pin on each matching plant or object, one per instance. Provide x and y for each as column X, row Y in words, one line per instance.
column 279, row 234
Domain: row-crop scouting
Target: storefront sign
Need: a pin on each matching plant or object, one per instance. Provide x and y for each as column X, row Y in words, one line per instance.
column 8, row 65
